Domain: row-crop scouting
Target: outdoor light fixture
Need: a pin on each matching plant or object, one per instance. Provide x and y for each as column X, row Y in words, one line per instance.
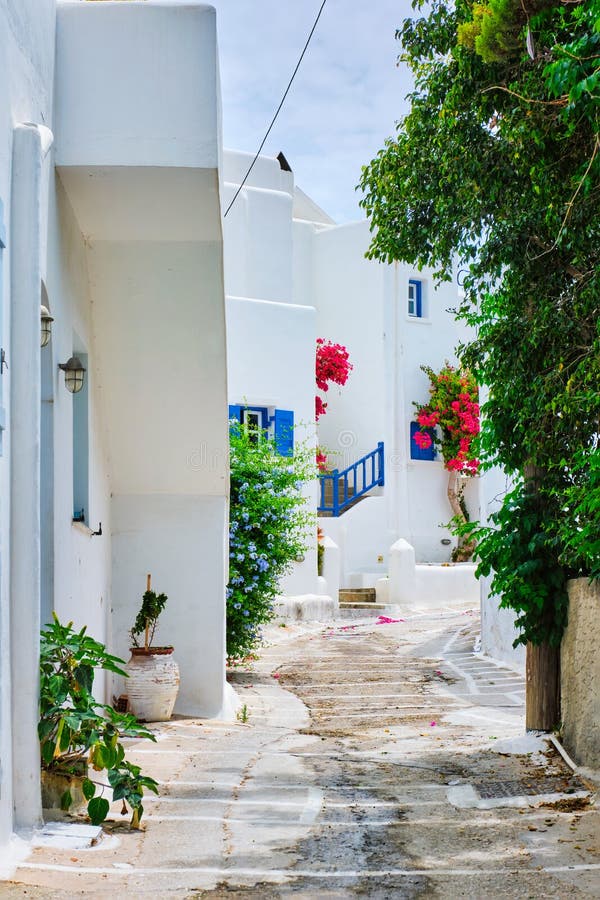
column 74, row 374
column 46, row 320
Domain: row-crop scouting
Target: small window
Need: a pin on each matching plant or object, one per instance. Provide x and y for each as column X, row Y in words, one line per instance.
column 416, row 452
column 415, row 298
column 256, row 420
column 276, row 423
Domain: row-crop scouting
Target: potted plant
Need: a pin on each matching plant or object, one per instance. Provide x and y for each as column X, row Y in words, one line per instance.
column 153, row 673
column 80, row 737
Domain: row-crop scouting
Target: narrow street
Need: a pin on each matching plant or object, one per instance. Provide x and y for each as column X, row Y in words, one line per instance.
column 372, row 758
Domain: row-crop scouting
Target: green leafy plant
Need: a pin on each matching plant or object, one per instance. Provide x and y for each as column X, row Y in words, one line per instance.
column 76, row 732
column 522, row 557
column 506, row 103
column 268, row 530
column 147, row 618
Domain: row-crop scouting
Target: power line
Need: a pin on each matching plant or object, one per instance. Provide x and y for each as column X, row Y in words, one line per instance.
column 287, row 90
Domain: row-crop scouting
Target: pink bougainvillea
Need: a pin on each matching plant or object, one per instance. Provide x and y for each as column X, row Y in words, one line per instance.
column 332, row 364
column 332, row 367
column 423, row 439
column 320, row 408
column 453, row 406
column 321, row 460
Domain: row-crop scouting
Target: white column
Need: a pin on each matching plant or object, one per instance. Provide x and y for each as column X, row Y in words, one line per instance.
column 30, row 145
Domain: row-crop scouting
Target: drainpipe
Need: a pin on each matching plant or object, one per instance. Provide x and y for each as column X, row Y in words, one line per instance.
column 31, row 144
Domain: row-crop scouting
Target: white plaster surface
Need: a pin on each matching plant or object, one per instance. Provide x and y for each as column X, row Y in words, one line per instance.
column 80, row 563
column 160, row 327
column 498, row 632
column 270, row 340
column 331, row 567
column 307, row 608
column 134, row 212
column 137, row 84
column 27, row 62
column 362, row 305
column 179, row 539
column 412, row 584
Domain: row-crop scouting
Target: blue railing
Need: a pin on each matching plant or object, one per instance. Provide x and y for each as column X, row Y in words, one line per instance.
column 346, row 486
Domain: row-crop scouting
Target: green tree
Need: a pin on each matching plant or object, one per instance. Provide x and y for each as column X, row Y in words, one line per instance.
column 496, row 166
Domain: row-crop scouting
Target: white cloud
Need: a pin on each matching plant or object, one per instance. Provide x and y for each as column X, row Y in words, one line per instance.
column 344, row 102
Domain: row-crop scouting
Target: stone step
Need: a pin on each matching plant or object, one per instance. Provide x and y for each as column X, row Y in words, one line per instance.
column 329, row 498
column 357, row 595
column 371, row 606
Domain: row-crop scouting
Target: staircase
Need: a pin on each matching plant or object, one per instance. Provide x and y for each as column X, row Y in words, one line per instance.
column 343, row 502
column 339, row 491
column 359, row 598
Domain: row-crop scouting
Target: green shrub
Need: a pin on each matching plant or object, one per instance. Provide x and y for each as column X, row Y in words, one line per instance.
column 268, row 530
column 76, row 732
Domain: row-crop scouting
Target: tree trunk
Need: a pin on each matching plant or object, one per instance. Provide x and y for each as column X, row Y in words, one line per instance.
column 542, row 705
column 542, row 696
column 465, row 548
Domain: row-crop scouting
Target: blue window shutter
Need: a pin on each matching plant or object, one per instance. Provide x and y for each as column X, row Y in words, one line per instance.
column 284, row 432
column 235, row 412
column 427, row 453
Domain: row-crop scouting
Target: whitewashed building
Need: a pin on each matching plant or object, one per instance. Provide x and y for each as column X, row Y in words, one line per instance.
column 111, row 216
column 293, row 275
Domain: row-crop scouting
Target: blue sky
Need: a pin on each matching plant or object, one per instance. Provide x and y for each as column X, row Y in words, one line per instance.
column 344, row 101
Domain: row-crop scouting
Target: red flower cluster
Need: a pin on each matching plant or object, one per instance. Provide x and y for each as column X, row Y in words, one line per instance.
column 320, row 408
column 321, row 461
column 422, row 439
column 428, row 420
column 332, row 366
column 454, row 407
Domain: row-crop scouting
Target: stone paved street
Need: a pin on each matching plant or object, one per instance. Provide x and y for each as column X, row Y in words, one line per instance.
column 376, row 760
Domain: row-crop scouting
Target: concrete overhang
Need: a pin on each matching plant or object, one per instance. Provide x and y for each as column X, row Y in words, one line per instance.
column 123, row 203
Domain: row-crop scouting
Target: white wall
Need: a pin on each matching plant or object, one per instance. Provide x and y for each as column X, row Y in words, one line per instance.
column 161, row 337
column 82, row 562
column 348, row 295
column 123, row 70
column 362, row 537
column 258, row 229
column 138, row 155
column 498, row 631
column 27, row 61
column 270, row 339
column 138, row 148
column 179, row 539
column 362, row 305
column 270, row 352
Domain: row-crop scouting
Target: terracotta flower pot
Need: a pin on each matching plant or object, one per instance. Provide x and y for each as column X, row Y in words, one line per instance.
column 153, row 683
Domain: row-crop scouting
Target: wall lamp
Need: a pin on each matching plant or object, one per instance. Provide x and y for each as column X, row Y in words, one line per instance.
column 74, row 374
column 46, row 322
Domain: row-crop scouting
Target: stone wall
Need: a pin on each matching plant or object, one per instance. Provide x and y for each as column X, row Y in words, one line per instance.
column 580, row 674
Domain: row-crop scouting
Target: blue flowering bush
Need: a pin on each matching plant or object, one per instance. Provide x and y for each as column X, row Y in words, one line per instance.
column 268, row 528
